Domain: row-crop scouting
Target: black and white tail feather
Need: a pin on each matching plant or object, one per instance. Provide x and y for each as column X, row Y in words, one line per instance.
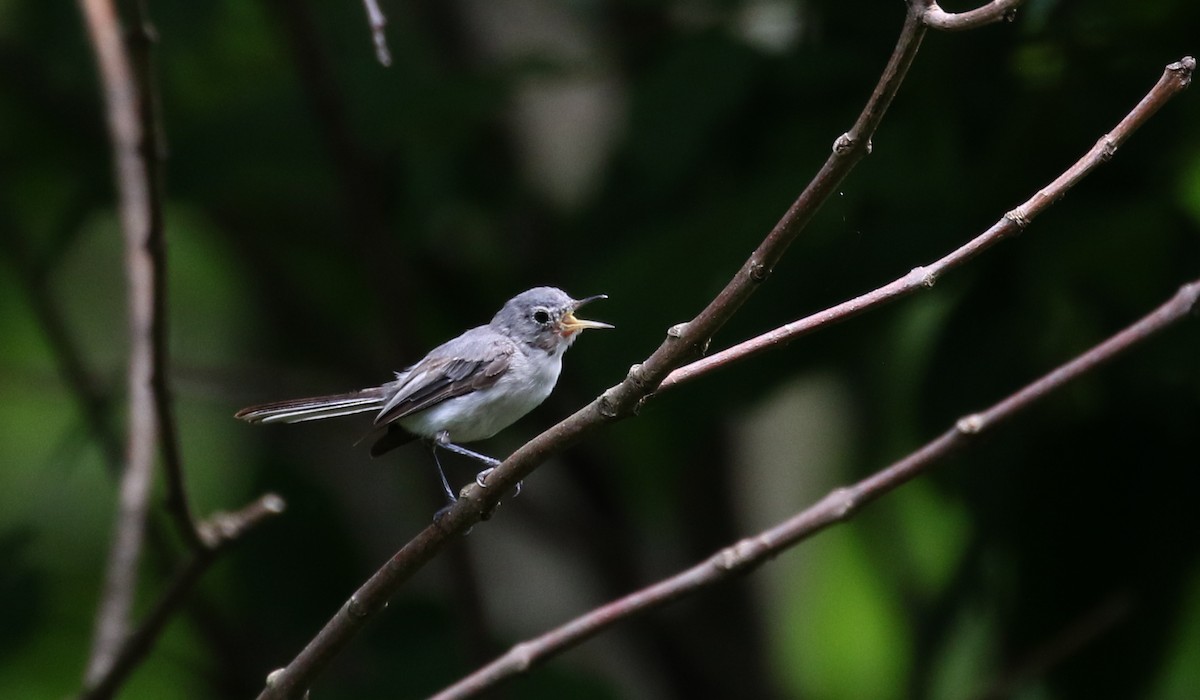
column 316, row 407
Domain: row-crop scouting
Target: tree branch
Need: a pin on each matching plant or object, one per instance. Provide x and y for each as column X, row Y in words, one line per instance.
column 1063, row 645
column 126, row 72
column 220, row 531
column 994, row 11
column 621, row 401
column 140, row 215
column 838, row 506
column 132, row 114
column 377, row 22
column 1175, row 79
column 360, row 188
column 151, row 262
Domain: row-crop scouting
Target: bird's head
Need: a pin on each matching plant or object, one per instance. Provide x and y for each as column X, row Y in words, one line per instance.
column 544, row 317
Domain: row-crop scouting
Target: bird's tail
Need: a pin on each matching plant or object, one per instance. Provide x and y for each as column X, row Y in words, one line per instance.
column 315, row 408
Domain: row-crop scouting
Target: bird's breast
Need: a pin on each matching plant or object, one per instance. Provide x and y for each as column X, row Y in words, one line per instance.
column 483, row 413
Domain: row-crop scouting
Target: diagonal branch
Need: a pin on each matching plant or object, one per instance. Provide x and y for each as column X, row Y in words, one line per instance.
column 220, row 531
column 377, row 23
column 690, row 339
column 994, row 11
column 1175, row 79
column 621, row 401
column 838, row 506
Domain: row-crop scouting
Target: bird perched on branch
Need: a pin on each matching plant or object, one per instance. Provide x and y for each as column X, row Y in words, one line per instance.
column 466, row 389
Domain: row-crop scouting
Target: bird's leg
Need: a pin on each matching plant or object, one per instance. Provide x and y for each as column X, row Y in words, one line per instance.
column 442, row 473
column 443, row 440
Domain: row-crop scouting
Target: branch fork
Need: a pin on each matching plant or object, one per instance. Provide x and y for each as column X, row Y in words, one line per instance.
column 664, row 369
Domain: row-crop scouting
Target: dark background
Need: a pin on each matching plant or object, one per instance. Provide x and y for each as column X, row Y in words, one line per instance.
column 329, row 220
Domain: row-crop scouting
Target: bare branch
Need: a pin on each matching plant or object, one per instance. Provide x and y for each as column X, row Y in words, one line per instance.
column 691, row 338
column 151, row 264
column 1174, row 79
column 377, row 22
column 683, row 341
column 134, row 174
column 132, row 114
column 994, row 11
column 1063, row 645
column 363, row 201
column 838, row 506
column 220, row 531
column 216, row 533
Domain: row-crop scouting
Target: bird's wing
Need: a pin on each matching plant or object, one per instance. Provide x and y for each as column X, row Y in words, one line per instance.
column 439, row 377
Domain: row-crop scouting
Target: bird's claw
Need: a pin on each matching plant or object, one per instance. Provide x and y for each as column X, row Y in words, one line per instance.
column 481, row 480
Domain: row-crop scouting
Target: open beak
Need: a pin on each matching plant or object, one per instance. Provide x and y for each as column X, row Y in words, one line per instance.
column 571, row 325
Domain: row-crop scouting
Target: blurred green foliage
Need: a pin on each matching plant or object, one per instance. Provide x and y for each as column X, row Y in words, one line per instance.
column 329, row 219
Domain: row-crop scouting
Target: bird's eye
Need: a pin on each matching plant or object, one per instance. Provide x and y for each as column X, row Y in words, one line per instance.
column 541, row 316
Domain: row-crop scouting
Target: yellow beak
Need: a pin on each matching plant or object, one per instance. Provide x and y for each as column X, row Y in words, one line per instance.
column 570, row 324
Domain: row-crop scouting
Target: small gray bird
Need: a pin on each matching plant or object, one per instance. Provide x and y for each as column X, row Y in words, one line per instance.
column 466, row 389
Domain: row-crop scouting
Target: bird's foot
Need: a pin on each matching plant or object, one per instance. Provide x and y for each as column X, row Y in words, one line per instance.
column 481, row 480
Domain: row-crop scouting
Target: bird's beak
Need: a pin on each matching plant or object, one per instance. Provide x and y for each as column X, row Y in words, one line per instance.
column 571, row 325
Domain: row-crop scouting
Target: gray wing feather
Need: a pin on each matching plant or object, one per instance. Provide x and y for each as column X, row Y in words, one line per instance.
column 438, row 378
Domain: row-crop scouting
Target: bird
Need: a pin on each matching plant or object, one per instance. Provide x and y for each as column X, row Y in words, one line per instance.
column 464, row 390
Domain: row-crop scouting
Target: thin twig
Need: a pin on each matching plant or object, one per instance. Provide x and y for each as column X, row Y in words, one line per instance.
column 1087, row 629
column 136, row 193
column 1175, row 79
column 152, row 261
column 220, row 531
column 995, row 11
column 132, row 114
column 94, row 407
column 377, row 22
column 93, row 404
column 838, row 506
column 683, row 341
column 359, row 184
